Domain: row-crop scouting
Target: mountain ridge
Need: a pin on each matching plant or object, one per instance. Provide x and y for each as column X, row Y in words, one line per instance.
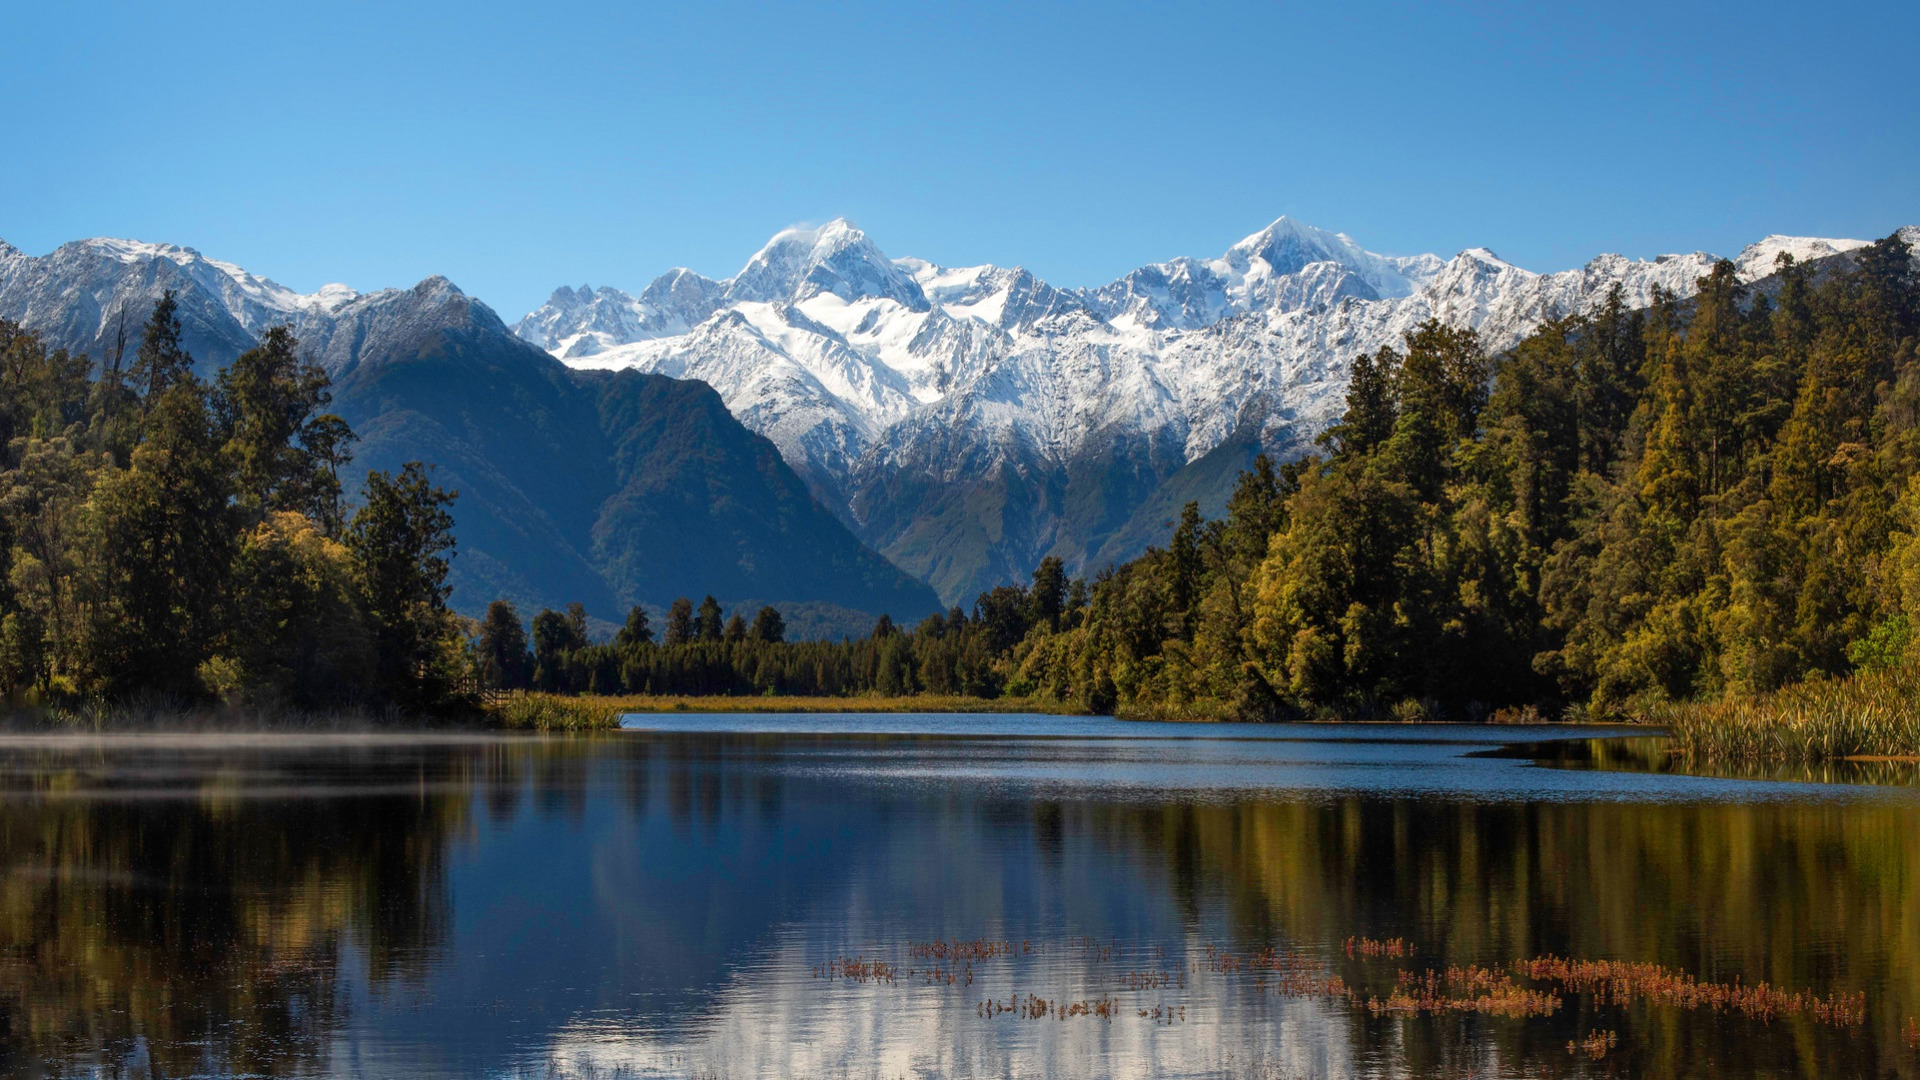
column 1018, row 399
column 963, row 422
column 547, row 508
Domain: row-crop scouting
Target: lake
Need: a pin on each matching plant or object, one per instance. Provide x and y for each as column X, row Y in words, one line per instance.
column 901, row 896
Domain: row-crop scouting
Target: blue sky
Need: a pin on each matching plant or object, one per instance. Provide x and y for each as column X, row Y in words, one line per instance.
column 515, row 148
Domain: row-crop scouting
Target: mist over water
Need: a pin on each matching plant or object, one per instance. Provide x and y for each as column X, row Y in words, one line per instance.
column 905, row 896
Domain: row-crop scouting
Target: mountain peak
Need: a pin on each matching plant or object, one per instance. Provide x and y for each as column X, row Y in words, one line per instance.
column 437, row 287
column 837, row 258
column 1756, row 260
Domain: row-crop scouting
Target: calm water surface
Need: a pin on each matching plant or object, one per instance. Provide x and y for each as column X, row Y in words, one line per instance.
column 893, row 896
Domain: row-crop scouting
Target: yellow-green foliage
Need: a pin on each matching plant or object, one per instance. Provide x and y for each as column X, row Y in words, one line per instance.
column 549, row 712
column 789, row 703
column 1875, row 713
column 299, row 615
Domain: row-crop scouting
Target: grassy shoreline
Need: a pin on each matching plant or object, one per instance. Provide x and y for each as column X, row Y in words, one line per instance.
column 1871, row 716
column 555, row 712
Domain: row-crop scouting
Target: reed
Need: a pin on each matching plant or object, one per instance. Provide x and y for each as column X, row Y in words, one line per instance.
column 1872, row 714
column 551, row 712
column 796, row 703
column 1596, row 1044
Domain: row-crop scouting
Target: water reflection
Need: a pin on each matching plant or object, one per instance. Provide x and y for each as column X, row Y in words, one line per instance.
column 1657, row 754
column 663, row 904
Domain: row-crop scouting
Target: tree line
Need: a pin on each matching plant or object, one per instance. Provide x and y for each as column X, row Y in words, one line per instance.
column 1700, row 498
column 168, row 538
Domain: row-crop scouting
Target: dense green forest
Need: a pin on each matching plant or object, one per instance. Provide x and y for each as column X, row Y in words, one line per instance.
column 168, row 540
column 1706, row 497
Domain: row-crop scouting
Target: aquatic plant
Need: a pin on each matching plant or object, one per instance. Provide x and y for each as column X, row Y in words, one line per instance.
column 1488, row 991
column 1033, row 1007
column 981, row 949
column 1871, row 714
column 1596, row 1044
column 1617, row 982
column 548, row 712
column 1366, row 946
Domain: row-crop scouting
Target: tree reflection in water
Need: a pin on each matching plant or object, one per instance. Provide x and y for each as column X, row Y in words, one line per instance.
column 663, row 904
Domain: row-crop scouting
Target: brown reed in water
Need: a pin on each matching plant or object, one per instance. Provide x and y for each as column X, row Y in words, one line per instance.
column 1371, row 947
column 1616, row 982
column 856, row 969
column 1489, row 991
column 981, row 949
column 1033, row 1007
column 1153, row 980
column 1596, row 1044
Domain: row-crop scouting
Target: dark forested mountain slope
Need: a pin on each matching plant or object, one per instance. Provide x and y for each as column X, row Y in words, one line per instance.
column 581, row 487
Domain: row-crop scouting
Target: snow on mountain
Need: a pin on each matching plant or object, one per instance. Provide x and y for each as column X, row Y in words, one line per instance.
column 577, row 323
column 1285, row 266
column 93, row 295
column 965, row 421
column 875, row 376
column 116, row 270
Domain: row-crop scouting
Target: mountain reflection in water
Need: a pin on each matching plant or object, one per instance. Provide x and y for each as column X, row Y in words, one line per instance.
column 693, row 902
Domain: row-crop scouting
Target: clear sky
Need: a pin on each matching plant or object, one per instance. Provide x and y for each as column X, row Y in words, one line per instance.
column 518, row 147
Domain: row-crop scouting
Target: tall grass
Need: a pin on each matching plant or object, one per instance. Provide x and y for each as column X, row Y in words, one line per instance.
column 1872, row 714
column 550, row 712
column 794, row 703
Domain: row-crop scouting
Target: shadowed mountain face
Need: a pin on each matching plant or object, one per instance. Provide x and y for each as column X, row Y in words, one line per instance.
column 606, row 489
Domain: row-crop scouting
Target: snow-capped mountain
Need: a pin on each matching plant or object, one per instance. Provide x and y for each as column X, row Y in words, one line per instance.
column 967, row 421
column 963, row 421
column 602, row 490
column 81, row 293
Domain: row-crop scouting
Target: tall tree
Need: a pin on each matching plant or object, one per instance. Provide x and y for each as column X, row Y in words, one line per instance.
column 680, row 628
column 637, row 630
column 164, row 548
column 1049, row 593
column 769, row 627
column 402, row 542
column 710, row 621
column 502, row 648
column 162, row 361
column 285, row 451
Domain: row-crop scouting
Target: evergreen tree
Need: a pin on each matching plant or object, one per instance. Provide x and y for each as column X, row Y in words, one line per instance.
column 402, row 541
column 161, row 361
column 769, row 627
column 680, row 622
column 636, row 632
column 710, row 621
column 165, row 538
column 502, row 648
column 1049, row 593
column 1372, row 408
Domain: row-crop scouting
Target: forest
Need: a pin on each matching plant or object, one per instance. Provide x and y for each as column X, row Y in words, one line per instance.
column 169, row 541
column 1704, row 499
column 1707, row 498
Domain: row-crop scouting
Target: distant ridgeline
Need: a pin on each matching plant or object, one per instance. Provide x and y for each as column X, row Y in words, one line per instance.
column 1685, row 500
column 1693, row 499
column 605, row 489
